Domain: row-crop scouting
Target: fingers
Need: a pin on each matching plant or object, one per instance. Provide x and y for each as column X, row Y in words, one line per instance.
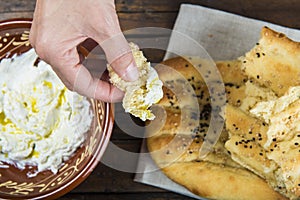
column 66, row 64
column 119, row 55
column 93, row 87
column 56, row 40
column 77, row 77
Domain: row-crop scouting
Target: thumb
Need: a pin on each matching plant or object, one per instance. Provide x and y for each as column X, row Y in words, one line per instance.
column 120, row 57
column 87, row 85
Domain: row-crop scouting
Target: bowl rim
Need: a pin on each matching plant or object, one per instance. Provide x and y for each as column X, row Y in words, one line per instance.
column 16, row 21
column 108, row 122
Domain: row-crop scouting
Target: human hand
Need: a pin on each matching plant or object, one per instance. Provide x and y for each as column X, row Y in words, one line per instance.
column 59, row 26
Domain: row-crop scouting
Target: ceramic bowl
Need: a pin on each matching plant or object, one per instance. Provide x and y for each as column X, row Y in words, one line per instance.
column 14, row 183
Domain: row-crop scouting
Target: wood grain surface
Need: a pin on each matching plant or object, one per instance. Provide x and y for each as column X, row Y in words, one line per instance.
column 105, row 182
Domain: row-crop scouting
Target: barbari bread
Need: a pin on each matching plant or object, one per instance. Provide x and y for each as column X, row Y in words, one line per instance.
column 175, row 148
column 268, row 118
column 274, row 61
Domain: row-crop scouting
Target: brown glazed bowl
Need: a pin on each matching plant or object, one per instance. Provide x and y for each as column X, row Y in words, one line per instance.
column 14, row 183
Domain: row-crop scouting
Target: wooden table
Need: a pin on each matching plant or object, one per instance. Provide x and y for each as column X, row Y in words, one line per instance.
column 105, row 182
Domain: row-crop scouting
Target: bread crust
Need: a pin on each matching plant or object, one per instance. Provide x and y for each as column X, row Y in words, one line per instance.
column 274, row 62
column 218, row 176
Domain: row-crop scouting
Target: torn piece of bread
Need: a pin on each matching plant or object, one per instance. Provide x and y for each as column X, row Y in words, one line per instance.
column 141, row 94
column 283, row 136
column 268, row 118
column 274, row 62
column 247, row 135
column 176, row 150
column 266, row 140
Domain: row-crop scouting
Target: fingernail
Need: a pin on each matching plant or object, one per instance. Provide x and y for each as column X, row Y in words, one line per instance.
column 132, row 73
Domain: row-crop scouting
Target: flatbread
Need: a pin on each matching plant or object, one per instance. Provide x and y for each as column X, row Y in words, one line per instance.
column 269, row 117
column 175, row 149
column 274, row 62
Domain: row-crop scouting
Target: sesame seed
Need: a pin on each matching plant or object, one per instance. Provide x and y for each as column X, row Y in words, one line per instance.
column 259, row 135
